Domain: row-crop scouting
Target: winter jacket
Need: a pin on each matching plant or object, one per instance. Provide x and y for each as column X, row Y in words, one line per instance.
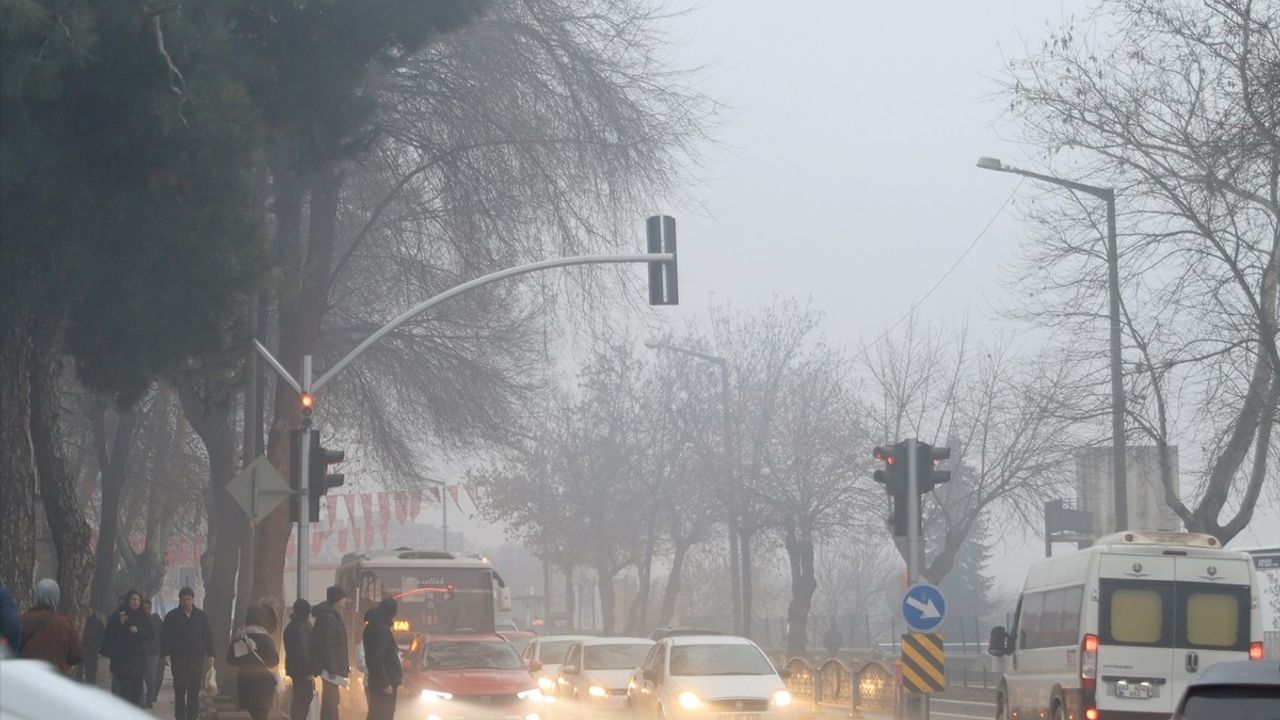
column 10, row 621
column 381, row 656
column 297, row 649
column 186, row 640
column 329, row 652
column 255, row 681
column 93, row 630
column 50, row 636
column 125, row 640
column 152, row 645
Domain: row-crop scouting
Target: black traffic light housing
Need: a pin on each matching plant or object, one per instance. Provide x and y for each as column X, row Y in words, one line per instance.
column 894, row 474
column 664, row 288
column 927, row 461
column 319, row 480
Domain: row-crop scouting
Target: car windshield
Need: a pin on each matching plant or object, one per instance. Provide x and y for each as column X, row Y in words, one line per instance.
column 472, row 656
column 719, row 659
column 1237, row 703
column 615, row 657
column 520, row 643
column 552, row 652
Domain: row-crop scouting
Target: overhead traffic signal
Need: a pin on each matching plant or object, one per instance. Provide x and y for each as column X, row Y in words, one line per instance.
column 896, row 477
column 664, row 288
column 927, row 461
column 894, row 474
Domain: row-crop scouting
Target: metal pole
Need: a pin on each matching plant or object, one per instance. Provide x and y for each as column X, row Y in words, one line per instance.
column 304, row 505
column 444, row 504
column 913, row 515
column 735, row 581
column 1117, row 371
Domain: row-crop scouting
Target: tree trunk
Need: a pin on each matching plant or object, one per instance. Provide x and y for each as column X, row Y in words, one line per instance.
column 744, row 548
column 638, row 615
column 608, row 598
column 113, row 469
column 803, row 585
column 58, row 487
column 672, row 592
column 210, row 416
column 17, row 460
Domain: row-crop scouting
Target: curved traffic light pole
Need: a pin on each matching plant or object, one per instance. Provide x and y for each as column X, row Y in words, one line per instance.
column 305, row 386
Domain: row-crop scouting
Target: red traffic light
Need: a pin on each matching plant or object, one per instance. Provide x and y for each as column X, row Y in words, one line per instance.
column 308, row 402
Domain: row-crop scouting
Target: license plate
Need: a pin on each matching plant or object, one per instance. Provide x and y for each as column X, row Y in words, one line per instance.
column 1129, row 690
column 741, row 716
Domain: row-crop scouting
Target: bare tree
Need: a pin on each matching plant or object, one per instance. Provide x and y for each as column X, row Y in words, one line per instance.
column 1177, row 106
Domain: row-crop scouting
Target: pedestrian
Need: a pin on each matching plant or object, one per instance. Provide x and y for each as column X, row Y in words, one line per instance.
column 382, row 660
column 833, row 639
column 49, row 635
column 92, row 644
column 329, row 658
column 297, row 659
column 10, row 622
column 254, row 656
column 187, row 641
column 153, row 660
column 126, row 636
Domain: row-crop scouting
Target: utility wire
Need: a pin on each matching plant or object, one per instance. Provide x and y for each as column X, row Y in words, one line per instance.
column 954, row 265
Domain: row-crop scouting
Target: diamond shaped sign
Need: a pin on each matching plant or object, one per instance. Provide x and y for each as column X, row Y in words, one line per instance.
column 259, row 489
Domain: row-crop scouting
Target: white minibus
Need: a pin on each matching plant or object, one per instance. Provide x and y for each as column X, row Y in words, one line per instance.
column 1115, row 631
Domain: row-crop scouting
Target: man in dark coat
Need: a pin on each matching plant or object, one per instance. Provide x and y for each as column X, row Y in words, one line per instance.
column 329, row 653
column 127, row 632
column 297, row 659
column 383, row 662
column 92, row 644
column 187, row 640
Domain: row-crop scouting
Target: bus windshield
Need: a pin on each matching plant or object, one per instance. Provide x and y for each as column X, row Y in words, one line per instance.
column 434, row 600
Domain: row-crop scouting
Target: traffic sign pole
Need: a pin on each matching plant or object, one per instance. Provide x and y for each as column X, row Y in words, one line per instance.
column 913, row 513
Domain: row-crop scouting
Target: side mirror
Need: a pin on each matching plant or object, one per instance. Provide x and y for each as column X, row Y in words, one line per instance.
column 998, row 644
column 535, row 666
column 785, row 674
column 651, row 676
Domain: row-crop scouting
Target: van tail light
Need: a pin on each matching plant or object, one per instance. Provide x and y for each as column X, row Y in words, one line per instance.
column 1089, row 662
column 1257, row 651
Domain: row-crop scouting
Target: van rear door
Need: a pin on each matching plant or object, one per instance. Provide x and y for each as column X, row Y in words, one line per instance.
column 1213, row 615
column 1136, row 604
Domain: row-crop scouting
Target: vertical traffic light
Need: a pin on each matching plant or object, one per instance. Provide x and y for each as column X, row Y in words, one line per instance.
column 894, row 478
column 664, row 289
column 928, row 458
column 321, row 481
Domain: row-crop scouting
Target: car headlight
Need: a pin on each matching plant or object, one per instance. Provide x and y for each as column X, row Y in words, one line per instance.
column 546, row 684
column 432, row 696
column 782, row 698
column 532, row 695
column 597, row 691
column 689, row 700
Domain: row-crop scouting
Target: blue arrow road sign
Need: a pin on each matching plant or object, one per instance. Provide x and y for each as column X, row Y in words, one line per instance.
column 923, row 607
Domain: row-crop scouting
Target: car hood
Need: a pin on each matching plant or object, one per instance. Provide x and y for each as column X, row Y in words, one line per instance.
column 476, row 682
column 713, row 687
column 612, row 679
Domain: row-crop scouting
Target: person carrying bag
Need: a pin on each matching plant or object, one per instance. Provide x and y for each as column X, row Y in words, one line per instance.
column 253, row 653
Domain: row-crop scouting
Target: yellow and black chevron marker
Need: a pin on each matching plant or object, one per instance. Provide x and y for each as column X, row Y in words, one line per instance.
column 923, row 663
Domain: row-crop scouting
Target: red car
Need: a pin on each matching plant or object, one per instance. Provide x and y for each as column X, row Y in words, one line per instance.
column 470, row 677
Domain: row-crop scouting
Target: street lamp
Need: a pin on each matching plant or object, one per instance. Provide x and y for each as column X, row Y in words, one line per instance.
column 735, row 584
column 1107, row 195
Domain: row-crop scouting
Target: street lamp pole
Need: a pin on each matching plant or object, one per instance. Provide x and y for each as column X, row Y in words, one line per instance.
column 735, row 578
column 1107, row 195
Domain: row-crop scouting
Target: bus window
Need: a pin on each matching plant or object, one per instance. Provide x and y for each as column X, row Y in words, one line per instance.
column 1050, row 620
column 1029, row 622
column 1069, row 630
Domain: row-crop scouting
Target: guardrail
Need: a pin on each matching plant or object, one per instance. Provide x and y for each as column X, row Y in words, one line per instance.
column 834, row 683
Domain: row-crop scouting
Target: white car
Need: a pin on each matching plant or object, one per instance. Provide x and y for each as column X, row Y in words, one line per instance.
column 549, row 652
column 596, row 673
column 34, row 690
column 709, row 676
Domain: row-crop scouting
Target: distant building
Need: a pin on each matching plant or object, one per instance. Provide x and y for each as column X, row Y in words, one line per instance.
column 1147, row 509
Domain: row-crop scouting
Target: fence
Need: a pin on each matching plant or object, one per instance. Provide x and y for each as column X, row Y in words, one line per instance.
column 868, row 686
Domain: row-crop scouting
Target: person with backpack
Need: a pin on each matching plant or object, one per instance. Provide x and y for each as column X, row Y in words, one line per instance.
column 253, row 654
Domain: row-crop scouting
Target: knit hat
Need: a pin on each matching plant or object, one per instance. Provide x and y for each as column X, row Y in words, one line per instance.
column 333, row 594
column 388, row 607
